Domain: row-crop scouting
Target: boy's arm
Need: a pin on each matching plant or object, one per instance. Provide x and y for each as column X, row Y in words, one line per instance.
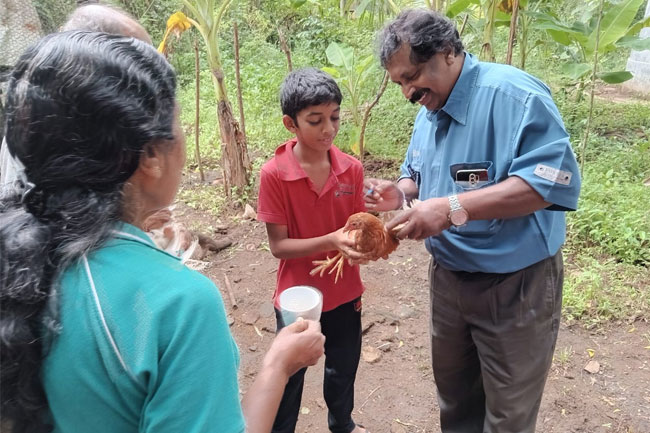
column 284, row 247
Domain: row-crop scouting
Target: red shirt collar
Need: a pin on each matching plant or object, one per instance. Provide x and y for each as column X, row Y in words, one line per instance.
column 289, row 168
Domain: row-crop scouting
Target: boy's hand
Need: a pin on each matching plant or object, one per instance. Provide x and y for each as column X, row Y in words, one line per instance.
column 382, row 195
column 296, row 346
column 344, row 242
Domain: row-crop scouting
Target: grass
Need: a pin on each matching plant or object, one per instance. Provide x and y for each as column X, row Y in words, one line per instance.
column 607, row 276
column 599, row 289
column 562, row 357
column 206, row 198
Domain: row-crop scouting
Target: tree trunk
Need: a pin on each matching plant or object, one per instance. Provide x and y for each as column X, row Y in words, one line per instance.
column 513, row 31
column 523, row 42
column 366, row 115
column 197, row 95
column 235, row 162
column 462, row 28
column 285, row 47
column 594, row 72
column 486, row 52
column 240, row 99
column 234, row 154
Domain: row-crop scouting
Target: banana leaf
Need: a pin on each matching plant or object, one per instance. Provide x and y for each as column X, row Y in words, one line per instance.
column 614, row 24
column 615, row 77
column 576, row 71
column 634, row 43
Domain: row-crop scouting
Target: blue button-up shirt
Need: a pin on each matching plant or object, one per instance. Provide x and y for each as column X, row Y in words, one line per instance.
column 500, row 120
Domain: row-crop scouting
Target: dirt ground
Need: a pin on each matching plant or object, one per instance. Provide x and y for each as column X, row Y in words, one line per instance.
column 395, row 389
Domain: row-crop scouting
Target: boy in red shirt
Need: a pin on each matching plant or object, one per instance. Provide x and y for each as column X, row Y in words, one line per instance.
column 307, row 192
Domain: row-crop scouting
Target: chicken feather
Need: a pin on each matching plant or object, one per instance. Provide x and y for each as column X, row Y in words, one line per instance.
column 371, row 239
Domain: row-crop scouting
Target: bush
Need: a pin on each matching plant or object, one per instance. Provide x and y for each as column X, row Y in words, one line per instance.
column 613, row 214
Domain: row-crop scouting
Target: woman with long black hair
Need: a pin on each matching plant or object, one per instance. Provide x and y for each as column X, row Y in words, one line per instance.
column 101, row 331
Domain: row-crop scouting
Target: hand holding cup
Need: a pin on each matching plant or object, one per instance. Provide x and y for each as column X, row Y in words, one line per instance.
column 296, row 346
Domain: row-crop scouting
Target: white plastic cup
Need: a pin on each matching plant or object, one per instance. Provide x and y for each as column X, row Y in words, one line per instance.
column 304, row 302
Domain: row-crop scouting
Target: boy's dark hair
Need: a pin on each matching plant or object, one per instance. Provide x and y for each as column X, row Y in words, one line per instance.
column 306, row 87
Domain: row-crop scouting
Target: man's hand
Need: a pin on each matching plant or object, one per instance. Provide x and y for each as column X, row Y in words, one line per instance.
column 298, row 345
column 427, row 218
column 382, row 195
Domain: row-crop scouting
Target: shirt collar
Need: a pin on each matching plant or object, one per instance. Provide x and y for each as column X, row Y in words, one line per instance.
column 457, row 104
column 130, row 232
column 289, row 168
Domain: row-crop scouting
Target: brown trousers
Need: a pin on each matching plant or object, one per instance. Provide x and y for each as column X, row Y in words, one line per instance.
column 492, row 342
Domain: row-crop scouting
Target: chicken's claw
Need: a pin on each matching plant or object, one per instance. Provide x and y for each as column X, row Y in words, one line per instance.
column 322, row 265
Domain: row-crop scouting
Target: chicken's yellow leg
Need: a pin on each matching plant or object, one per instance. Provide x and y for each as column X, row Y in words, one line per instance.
column 338, row 266
column 322, row 265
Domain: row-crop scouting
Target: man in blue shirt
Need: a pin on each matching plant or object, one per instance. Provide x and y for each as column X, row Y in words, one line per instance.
column 491, row 163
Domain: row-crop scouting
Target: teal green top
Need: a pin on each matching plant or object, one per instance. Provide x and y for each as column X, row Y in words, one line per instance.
column 144, row 346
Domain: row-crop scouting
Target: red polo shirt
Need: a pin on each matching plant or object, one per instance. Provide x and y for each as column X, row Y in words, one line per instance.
column 287, row 197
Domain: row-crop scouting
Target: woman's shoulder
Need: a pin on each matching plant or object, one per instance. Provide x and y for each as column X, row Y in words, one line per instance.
column 129, row 267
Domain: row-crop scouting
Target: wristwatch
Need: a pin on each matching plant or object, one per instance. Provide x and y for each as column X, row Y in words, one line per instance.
column 458, row 216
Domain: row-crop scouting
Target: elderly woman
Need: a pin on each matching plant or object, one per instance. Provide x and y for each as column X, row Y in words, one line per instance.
column 100, row 330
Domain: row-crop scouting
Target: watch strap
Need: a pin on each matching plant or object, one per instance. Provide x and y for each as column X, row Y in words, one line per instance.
column 454, row 204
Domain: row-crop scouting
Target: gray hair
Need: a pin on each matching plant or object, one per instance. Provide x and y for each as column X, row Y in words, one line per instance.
column 105, row 18
column 86, row 17
column 426, row 31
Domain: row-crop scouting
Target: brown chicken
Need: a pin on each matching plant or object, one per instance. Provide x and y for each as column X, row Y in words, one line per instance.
column 371, row 239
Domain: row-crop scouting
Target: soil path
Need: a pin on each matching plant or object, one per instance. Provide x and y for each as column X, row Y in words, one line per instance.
column 395, row 390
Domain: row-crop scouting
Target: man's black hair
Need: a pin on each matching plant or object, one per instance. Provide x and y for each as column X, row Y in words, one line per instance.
column 427, row 32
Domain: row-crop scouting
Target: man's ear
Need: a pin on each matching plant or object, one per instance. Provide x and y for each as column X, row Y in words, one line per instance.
column 289, row 123
column 449, row 55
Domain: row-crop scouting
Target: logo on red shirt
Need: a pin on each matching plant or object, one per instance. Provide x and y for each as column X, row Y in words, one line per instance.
column 344, row 189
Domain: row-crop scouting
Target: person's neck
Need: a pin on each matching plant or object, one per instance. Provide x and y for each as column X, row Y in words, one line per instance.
column 136, row 207
column 457, row 69
column 307, row 156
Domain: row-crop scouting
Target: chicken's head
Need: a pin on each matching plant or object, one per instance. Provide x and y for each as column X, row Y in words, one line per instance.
column 358, row 221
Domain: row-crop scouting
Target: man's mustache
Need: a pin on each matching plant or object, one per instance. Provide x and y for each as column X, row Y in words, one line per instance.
column 416, row 96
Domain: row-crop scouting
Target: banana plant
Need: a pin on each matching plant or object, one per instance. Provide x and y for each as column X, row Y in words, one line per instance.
column 206, row 16
column 494, row 14
column 352, row 72
column 585, row 41
column 375, row 12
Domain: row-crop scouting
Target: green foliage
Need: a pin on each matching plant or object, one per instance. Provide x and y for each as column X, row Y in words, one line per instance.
column 598, row 290
column 460, row 6
column 390, row 126
column 619, row 124
column 207, row 198
column 608, row 254
column 209, row 138
column 373, row 12
column 617, row 30
column 353, row 73
column 53, row 13
column 613, row 215
column 151, row 14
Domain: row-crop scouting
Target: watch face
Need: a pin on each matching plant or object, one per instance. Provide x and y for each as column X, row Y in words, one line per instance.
column 458, row 217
